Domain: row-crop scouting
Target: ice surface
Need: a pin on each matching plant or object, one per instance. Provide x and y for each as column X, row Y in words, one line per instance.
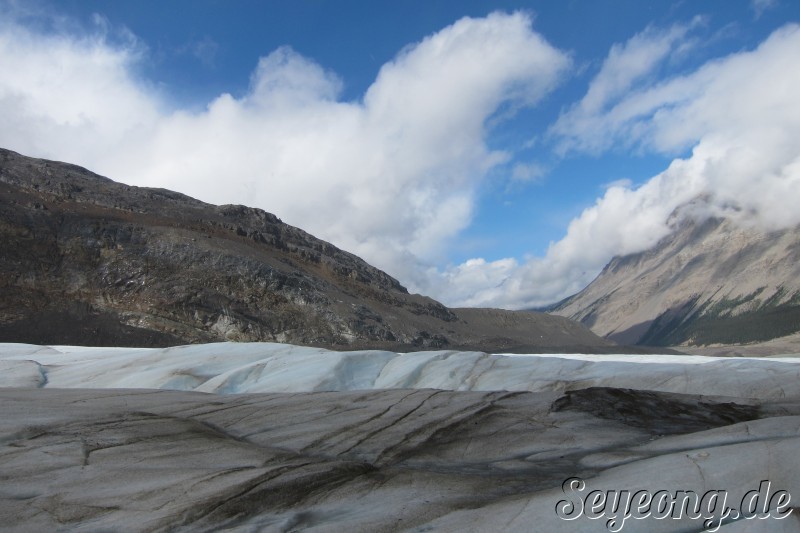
column 439, row 448
column 233, row 368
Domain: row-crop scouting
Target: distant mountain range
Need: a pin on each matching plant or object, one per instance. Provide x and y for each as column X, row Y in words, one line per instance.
column 709, row 282
column 90, row 261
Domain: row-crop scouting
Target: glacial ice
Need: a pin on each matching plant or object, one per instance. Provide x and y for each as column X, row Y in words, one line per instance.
column 235, row 368
column 81, row 450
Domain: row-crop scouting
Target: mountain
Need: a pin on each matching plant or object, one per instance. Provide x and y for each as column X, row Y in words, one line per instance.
column 90, row 261
column 709, row 282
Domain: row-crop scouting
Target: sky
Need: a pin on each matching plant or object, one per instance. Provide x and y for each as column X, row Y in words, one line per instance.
column 491, row 154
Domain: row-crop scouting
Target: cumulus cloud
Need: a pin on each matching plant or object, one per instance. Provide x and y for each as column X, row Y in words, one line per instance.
column 70, row 96
column 739, row 115
column 391, row 177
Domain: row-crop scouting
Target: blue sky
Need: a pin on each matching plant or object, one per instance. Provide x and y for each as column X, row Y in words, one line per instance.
column 485, row 153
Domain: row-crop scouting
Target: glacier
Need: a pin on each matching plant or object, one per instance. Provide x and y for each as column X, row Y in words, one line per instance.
column 237, row 368
column 272, row 437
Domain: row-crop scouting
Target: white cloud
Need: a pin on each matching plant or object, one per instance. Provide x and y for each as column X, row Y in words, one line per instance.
column 740, row 114
column 628, row 67
column 527, row 172
column 205, row 50
column 625, row 183
column 391, row 178
column 476, row 282
column 760, row 6
column 69, row 96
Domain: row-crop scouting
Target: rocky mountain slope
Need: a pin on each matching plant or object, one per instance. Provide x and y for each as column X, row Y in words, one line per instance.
column 710, row 282
column 90, row 261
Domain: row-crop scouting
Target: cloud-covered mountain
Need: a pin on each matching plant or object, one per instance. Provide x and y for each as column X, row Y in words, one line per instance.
column 90, row 261
column 710, row 281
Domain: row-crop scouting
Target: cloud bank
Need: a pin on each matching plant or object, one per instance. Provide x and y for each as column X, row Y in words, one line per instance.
column 394, row 176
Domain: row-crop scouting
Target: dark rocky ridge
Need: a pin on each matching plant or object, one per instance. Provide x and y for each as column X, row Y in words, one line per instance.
column 90, row 261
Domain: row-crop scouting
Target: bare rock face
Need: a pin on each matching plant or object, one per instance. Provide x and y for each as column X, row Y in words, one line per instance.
column 92, row 262
column 710, row 282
